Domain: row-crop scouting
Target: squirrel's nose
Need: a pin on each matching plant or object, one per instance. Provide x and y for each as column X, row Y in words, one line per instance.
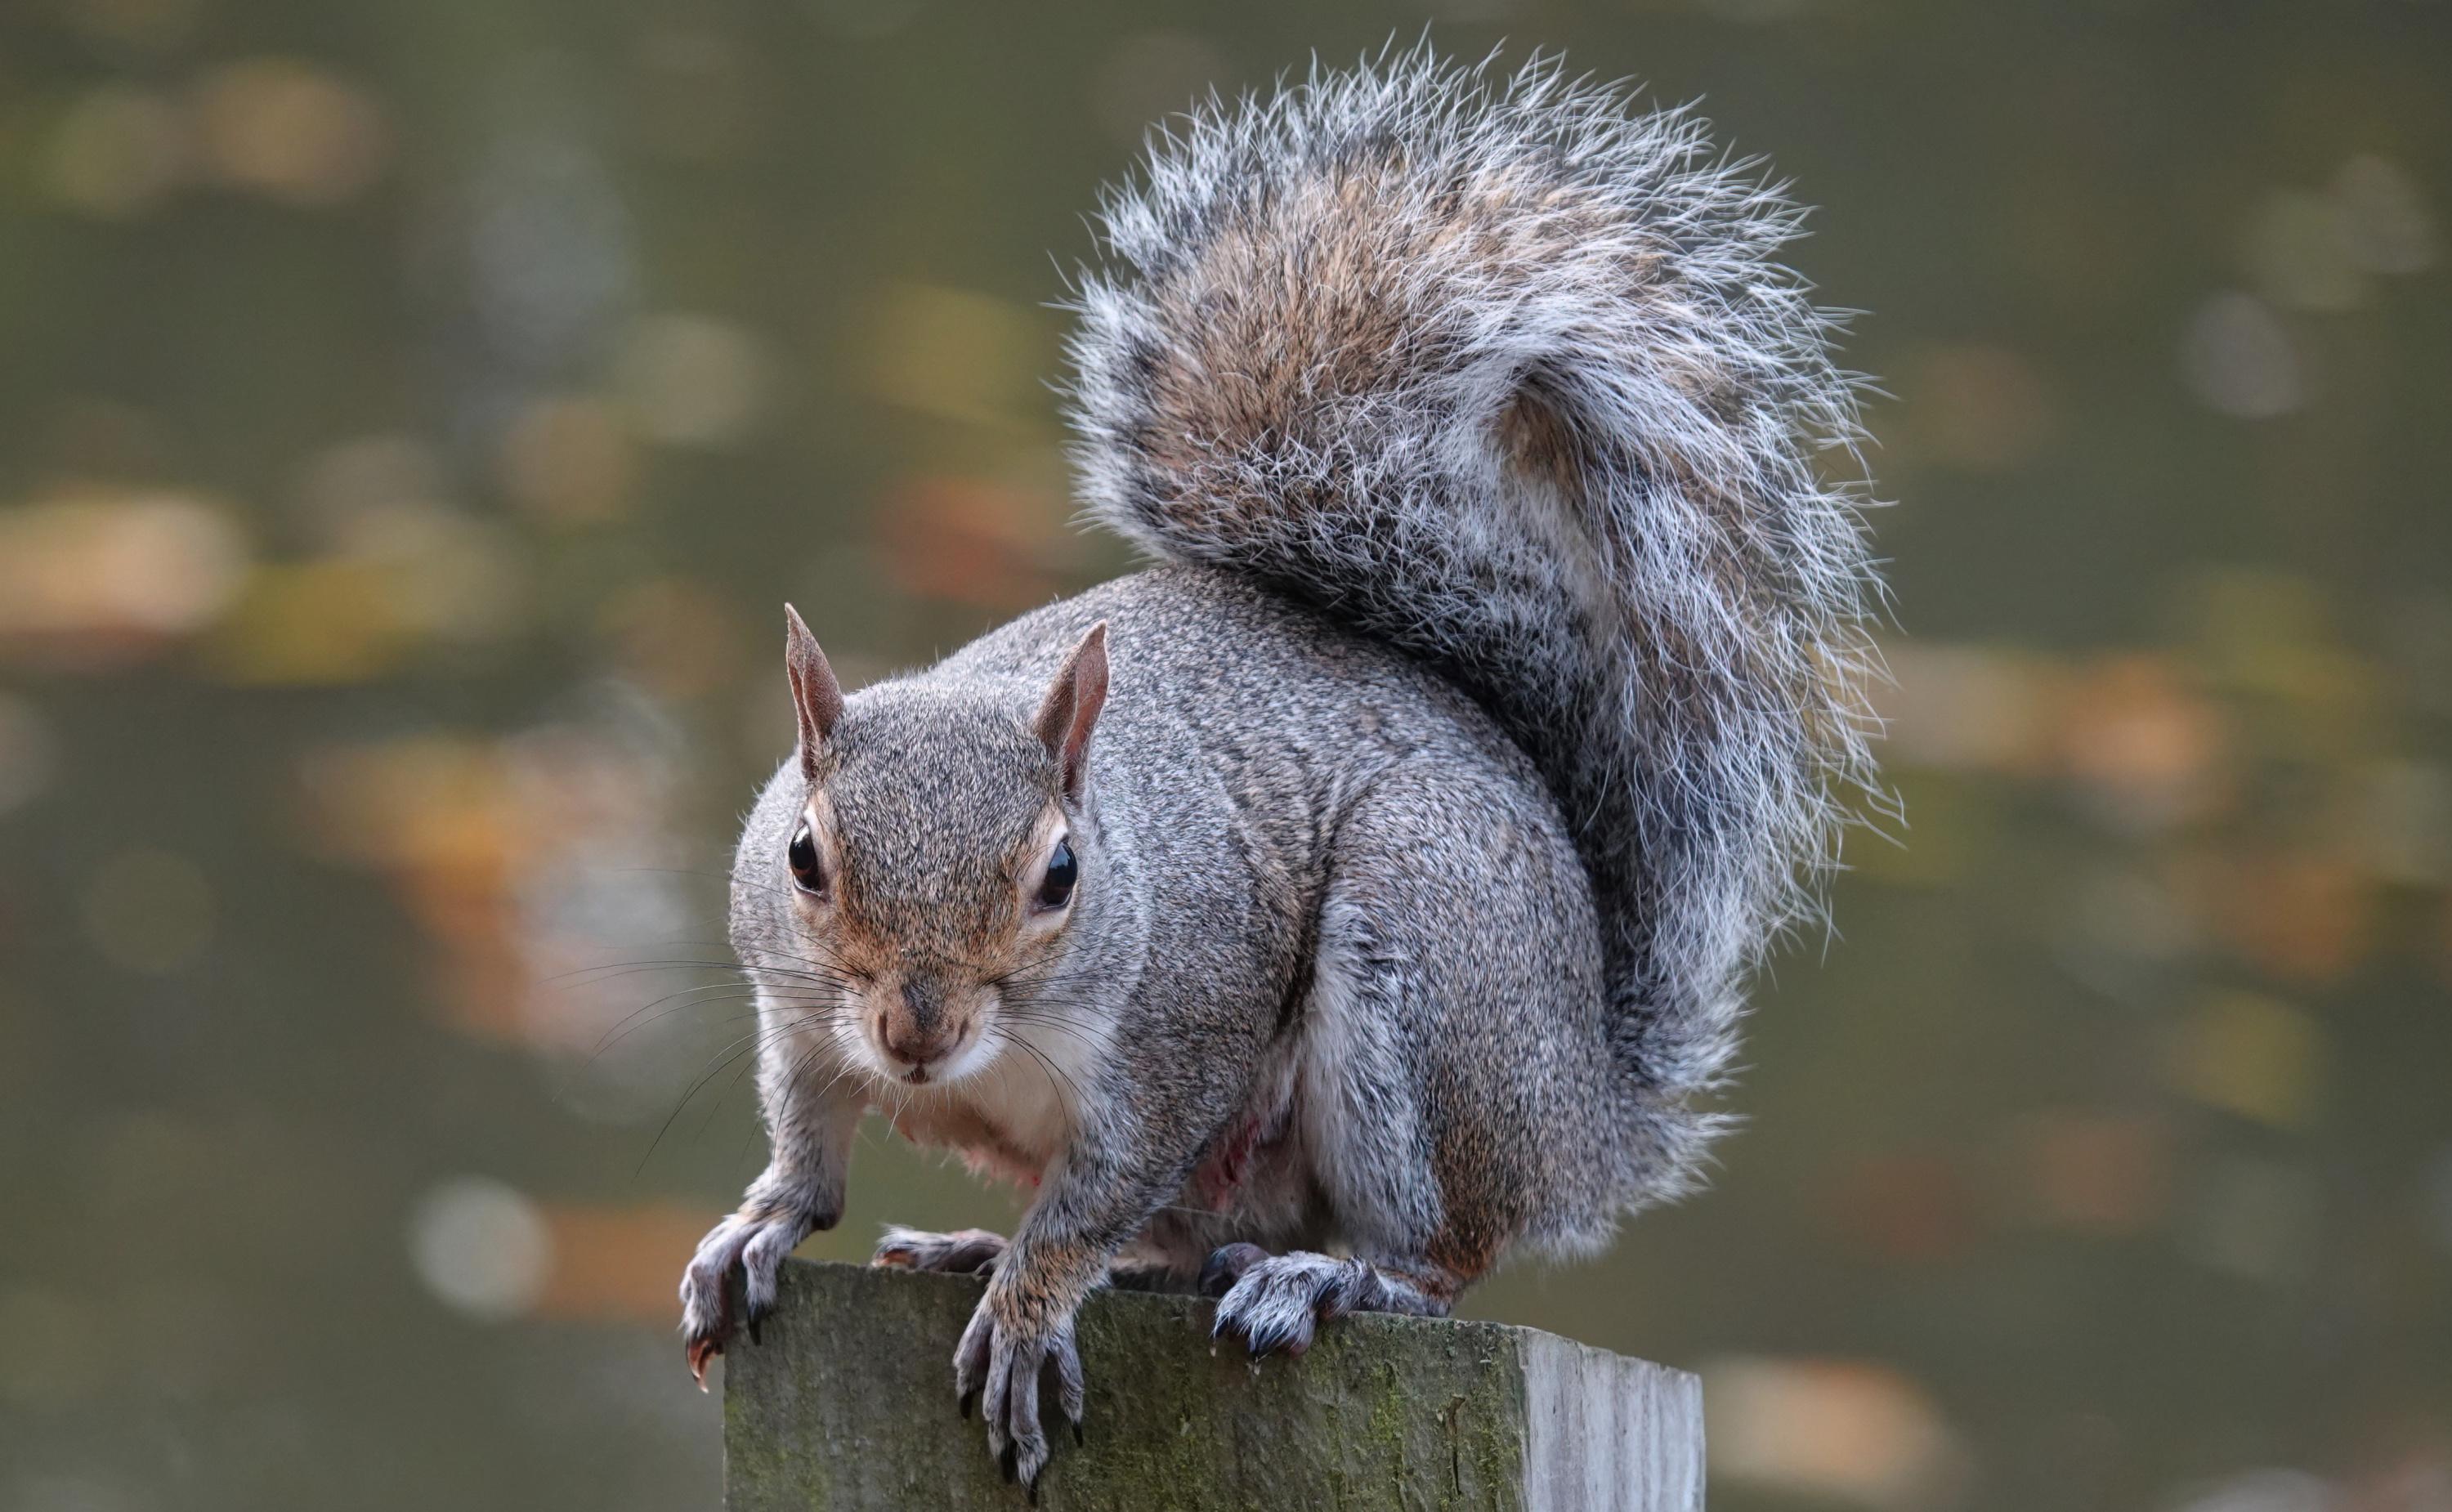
column 921, row 1032
column 905, row 1041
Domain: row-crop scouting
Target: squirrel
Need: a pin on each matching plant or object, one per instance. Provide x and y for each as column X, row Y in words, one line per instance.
column 1365, row 891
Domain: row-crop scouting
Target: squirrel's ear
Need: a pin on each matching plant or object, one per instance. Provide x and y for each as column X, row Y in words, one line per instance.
column 816, row 696
column 1072, row 707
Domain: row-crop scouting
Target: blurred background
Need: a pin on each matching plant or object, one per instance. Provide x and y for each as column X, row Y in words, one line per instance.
column 412, row 417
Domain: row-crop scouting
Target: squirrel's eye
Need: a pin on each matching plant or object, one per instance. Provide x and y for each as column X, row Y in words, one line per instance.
column 1056, row 889
column 804, row 859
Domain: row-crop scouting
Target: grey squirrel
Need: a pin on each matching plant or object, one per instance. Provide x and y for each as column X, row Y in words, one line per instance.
column 1364, row 891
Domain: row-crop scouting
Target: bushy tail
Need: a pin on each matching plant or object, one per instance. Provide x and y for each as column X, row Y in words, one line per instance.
column 1506, row 375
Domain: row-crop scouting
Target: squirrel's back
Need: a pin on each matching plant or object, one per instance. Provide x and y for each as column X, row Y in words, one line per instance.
column 1507, row 377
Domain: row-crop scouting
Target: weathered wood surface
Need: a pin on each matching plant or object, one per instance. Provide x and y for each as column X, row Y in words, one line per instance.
column 848, row 1406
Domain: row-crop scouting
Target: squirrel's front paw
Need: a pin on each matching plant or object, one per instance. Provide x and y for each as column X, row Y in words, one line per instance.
column 998, row 1366
column 754, row 1243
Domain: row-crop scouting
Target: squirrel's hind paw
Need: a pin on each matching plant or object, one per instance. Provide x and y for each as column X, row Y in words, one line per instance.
column 964, row 1252
column 1278, row 1302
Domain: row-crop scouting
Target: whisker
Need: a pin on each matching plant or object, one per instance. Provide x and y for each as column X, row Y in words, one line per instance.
column 724, row 990
column 1054, row 1073
column 615, row 971
column 754, row 1042
column 1078, row 1035
column 792, row 1073
column 627, row 1026
column 629, row 968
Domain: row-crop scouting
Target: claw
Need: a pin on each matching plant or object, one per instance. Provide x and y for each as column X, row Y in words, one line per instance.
column 1002, row 1372
column 971, row 1358
column 749, row 1244
column 1226, row 1265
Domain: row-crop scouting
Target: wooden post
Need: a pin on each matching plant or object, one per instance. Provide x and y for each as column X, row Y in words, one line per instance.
column 848, row 1406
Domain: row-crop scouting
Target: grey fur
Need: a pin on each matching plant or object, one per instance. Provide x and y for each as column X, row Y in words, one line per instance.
column 1329, row 311
column 1445, row 786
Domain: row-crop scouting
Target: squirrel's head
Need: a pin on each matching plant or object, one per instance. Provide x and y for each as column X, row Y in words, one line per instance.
column 913, row 875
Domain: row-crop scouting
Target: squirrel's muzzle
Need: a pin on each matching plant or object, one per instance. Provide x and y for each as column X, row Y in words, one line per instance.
column 915, row 1032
